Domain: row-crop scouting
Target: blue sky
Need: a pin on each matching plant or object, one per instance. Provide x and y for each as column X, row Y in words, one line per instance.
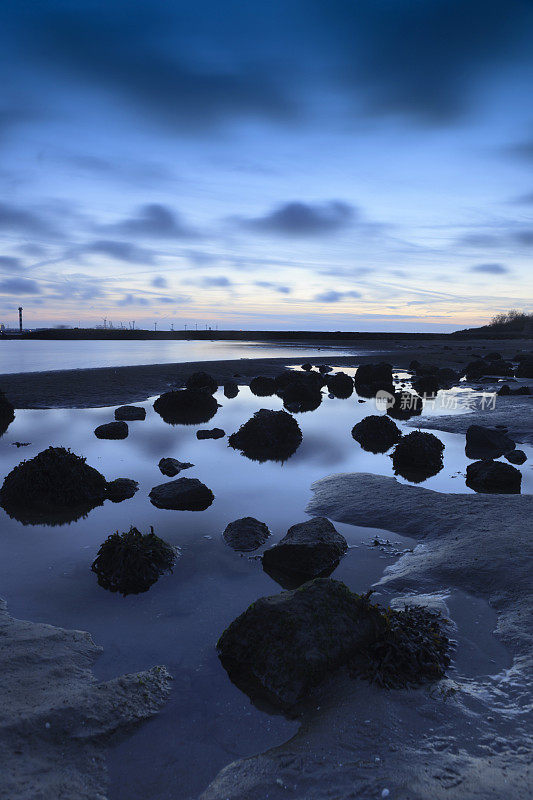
column 288, row 165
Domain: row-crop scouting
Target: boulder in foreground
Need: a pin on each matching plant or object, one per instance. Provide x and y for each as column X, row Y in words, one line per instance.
column 263, row 386
column 183, row 494
column 376, row 433
column 231, row 390
column 483, row 442
column 516, row 457
column 131, row 562
column 493, row 477
column 418, row 456
column 121, row 489
column 268, row 435
column 186, row 406
column 201, row 382
column 172, row 467
column 246, row 534
column 130, row 413
column 308, row 550
column 214, row 433
column 370, row 378
column 112, row 430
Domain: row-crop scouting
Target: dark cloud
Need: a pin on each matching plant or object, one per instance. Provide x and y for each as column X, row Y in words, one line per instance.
column 19, row 286
column 276, row 287
column 303, row 219
column 524, row 237
column 157, row 221
column 216, row 281
column 122, row 251
column 159, row 282
column 490, row 269
column 334, row 296
column 480, row 240
column 174, row 301
column 133, row 300
column 10, row 263
column 16, row 219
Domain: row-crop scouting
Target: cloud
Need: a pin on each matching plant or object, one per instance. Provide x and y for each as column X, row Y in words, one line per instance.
column 132, row 300
column 19, row 286
column 303, row 219
column 523, row 150
column 121, row 251
column 276, row 287
column 154, row 220
column 490, row 269
column 335, row 297
column 159, row 282
column 524, row 199
column 10, row 263
column 216, row 281
column 14, row 219
column 175, row 301
column 524, row 237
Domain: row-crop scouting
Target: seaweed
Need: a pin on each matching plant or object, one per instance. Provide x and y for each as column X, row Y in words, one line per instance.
column 131, row 562
column 418, row 456
column 268, row 435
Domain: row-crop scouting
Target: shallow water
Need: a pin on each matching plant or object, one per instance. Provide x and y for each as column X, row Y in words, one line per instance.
column 20, row 355
column 45, row 572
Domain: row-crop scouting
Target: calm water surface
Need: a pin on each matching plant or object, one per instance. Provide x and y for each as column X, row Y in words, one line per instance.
column 45, row 571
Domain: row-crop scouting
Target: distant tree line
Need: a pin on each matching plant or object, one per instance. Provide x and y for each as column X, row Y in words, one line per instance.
column 513, row 320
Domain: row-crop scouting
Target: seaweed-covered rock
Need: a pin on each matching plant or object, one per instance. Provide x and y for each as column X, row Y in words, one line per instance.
column 307, row 366
column 418, row 456
column 183, row 494
column 130, row 413
column 324, row 369
column 231, row 390
column 370, row 378
column 262, row 386
column 172, row 467
column 7, row 413
column 300, row 391
column 283, row 646
column 376, row 433
column 477, row 369
column 525, row 367
column 516, row 457
column 112, row 430
column 405, row 405
column 340, row 384
column 54, row 479
column 186, row 407
column 268, row 435
column 121, row 489
column 308, row 550
column 201, row 382
column 214, row 433
column 506, row 390
column 131, row 562
column 493, row 477
column 246, row 534
column 426, row 385
column 483, row 442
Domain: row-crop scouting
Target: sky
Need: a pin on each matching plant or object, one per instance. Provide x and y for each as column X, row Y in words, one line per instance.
column 274, row 164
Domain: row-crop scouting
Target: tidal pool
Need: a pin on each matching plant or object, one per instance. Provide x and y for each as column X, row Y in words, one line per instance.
column 45, row 571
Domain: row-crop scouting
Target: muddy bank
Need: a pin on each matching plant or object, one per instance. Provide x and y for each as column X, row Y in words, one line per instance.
column 464, row 737
column 55, row 719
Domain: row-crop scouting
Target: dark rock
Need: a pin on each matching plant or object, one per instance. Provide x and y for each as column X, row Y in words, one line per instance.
column 54, row 479
column 183, row 494
column 112, row 430
column 309, row 550
column 231, row 390
column 493, row 477
column 7, row 413
column 405, row 405
column 414, row 365
column 340, row 384
column 268, row 435
column 300, row 391
column 262, row 386
column 516, row 457
column 186, row 407
column 324, row 369
column 506, row 390
column 283, row 646
column 307, row 366
column 172, row 467
column 246, row 534
column 121, row 489
column 376, row 434
column 418, row 456
column 214, row 433
column 131, row 562
column 428, row 386
column 201, row 382
column 525, row 368
column 493, row 356
column 130, row 413
column 477, row 369
column 482, row 442
column 371, row 378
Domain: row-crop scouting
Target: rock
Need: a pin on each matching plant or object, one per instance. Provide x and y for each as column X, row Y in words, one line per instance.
column 172, row 467
column 186, row 407
column 525, row 367
column 201, row 382
column 493, row 356
column 183, row 494
column 307, row 366
column 131, row 562
column 418, row 456
column 7, row 413
column 54, row 479
column 340, row 384
column 112, row 430
column 300, row 391
column 214, row 433
column 516, row 457
column 506, row 390
column 268, row 435
column 263, row 386
column 283, row 646
column 482, row 442
column 370, row 378
column 246, row 534
column 477, row 369
column 493, row 477
column 231, row 390
column 405, row 405
column 130, row 413
column 121, row 489
column 427, row 386
column 376, row 434
column 308, row 550
column 414, row 365
column 324, row 369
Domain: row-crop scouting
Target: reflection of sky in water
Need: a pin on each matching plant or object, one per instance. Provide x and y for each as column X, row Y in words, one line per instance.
column 208, row 722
